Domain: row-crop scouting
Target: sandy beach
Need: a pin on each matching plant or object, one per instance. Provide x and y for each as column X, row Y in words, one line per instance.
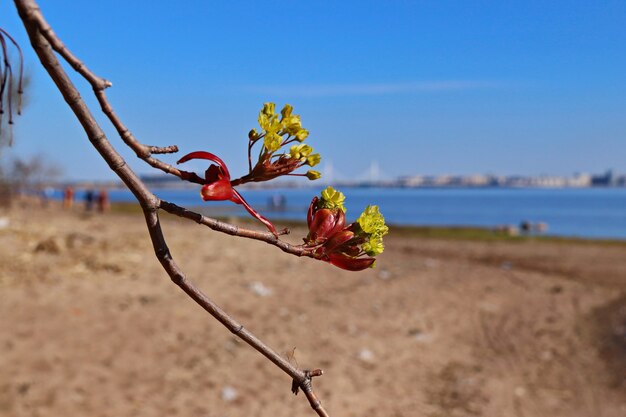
column 92, row 326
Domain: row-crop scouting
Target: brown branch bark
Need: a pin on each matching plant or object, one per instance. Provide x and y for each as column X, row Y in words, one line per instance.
column 46, row 43
column 233, row 230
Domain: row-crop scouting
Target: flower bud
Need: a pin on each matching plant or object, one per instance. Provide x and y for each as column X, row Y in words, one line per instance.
column 292, row 124
column 314, row 159
column 253, row 135
column 286, row 111
column 313, row 175
column 302, row 134
column 272, row 142
column 269, row 109
column 332, row 198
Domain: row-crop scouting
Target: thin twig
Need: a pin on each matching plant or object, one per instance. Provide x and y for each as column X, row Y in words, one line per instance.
column 45, row 42
column 163, row 149
column 233, row 230
column 99, row 84
column 20, row 82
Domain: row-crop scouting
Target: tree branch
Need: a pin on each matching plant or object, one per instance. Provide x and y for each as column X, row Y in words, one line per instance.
column 45, row 42
column 233, row 230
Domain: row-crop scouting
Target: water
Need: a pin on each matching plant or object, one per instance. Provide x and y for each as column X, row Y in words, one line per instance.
column 589, row 212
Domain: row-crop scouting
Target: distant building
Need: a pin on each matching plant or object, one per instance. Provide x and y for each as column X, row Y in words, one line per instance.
column 411, row 181
column 580, row 180
column 608, row 179
column 475, row 180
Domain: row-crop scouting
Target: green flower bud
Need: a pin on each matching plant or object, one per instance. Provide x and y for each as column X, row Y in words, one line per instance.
column 269, row 109
column 292, row 124
column 300, row 151
column 294, row 152
column 302, row 134
column 313, row 175
column 305, row 150
column 286, row 111
column 314, row 159
column 253, row 135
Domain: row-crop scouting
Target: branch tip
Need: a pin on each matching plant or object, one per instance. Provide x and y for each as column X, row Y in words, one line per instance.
column 163, row 149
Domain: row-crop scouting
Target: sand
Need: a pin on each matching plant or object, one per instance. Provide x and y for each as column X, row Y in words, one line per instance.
column 92, row 326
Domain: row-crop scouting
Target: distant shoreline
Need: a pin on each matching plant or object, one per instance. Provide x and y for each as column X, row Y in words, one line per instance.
column 586, row 213
column 470, row 233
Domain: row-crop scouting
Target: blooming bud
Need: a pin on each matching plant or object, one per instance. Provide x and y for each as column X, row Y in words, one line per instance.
column 350, row 247
column 314, row 159
column 269, row 109
column 371, row 225
column 272, row 142
column 332, row 198
column 292, row 124
column 302, row 134
column 286, row 111
column 374, row 246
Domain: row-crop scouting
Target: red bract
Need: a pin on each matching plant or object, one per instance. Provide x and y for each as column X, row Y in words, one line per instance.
column 349, row 263
column 323, row 222
column 217, row 185
column 332, row 242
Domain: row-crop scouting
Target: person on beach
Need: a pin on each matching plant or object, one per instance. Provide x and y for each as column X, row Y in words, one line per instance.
column 103, row 201
column 89, row 199
column 68, row 197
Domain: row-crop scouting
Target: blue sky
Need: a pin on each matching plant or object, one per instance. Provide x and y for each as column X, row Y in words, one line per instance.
column 527, row 87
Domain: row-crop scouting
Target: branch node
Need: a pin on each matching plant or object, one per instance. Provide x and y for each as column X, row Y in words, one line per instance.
column 306, row 382
column 237, row 330
column 117, row 165
column 99, row 138
column 73, row 99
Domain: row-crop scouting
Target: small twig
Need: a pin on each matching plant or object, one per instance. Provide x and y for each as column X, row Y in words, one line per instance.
column 99, row 84
column 20, row 89
column 44, row 41
column 161, row 150
column 233, row 230
column 250, row 143
column 7, row 76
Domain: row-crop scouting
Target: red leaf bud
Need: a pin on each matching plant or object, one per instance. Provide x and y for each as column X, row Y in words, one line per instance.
column 325, row 223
